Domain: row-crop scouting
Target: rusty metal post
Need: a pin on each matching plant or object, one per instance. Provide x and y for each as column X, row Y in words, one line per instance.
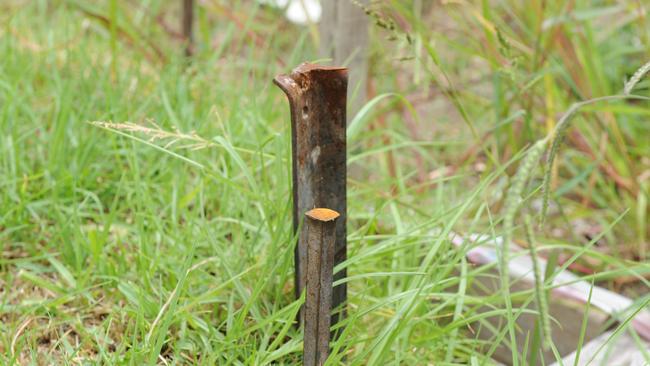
column 317, row 99
column 321, row 237
column 187, row 21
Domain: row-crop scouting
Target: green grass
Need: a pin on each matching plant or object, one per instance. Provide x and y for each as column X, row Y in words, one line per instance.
column 167, row 239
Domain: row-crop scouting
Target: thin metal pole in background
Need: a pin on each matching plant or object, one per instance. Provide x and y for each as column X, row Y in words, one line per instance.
column 187, row 21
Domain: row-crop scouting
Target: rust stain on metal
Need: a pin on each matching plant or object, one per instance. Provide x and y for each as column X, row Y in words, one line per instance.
column 317, row 100
column 322, row 214
column 321, row 236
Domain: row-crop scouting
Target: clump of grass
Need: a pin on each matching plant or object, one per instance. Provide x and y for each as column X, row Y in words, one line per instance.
column 560, row 130
column 514, row 196
column 511, row 69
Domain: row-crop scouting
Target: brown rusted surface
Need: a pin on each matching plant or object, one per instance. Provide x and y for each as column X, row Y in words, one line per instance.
column 320, row 225
column 317, row 99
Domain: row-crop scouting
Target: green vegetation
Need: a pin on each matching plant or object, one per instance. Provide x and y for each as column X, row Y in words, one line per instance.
column 144, row 211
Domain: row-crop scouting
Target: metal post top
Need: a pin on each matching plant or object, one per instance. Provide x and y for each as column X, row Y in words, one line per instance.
column 306, row 73
column 322, row 214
